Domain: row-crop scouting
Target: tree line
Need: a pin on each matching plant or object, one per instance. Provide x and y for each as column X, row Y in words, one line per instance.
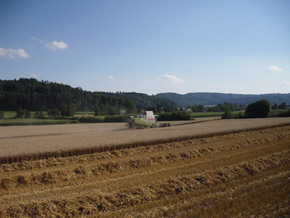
column 217, row 108
column 258, row 109
column 26, row 95
column 60, row 99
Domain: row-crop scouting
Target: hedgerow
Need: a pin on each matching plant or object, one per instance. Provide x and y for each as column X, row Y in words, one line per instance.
column 175, row 115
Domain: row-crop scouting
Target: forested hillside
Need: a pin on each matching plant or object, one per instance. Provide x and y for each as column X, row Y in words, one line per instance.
column 217, row 98
column 31, row 94
column 143, row 100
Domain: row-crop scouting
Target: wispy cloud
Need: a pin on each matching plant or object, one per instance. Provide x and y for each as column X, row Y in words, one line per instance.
column 171, row 78
column 13, row 53
column 36, row 39
column 3, row 52
column 54, row 45
column 286, row 82
column 111, row 77
column 18, row 52
column 33, row 75
column 274, row 68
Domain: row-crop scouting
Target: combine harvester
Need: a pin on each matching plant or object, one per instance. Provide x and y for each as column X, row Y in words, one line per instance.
column 146, row 120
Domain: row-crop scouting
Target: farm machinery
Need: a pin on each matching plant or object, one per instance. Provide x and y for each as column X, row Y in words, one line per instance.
column 145, row 120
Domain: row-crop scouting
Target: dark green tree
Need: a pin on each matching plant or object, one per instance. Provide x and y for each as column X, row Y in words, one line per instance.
column 71, row 109
column 258, row 109
column 227, row 114
column 97, row 111
column 49, row 112
column 275, row 106
column 63, row 109
column 237, row 107
column 282, row 106
column 55, row 112
column 41, row 114
column 19, row 113
column 112, row 111
column 221, row 107
column 36, row 113
column 130, row 107
column 159, row 108
column 27, row 114
column 200, row 108
column 151, row 108
column 169, row 108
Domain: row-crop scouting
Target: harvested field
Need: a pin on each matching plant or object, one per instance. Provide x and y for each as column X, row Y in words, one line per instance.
column 230, row 172
column 18, row 140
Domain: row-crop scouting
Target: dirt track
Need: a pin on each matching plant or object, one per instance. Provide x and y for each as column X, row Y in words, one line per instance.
column 234, row 175
column 38, row 139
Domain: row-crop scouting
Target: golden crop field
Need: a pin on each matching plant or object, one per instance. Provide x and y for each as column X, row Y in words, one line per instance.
column 217, row 168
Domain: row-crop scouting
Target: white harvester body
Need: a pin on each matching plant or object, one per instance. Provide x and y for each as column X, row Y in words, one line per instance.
column 145, row 120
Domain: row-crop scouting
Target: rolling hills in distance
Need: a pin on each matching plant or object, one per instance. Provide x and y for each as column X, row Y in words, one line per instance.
column 206, row 98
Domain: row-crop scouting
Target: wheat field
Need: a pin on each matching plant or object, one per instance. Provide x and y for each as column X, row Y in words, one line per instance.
column 187, row 170
column 20, row 140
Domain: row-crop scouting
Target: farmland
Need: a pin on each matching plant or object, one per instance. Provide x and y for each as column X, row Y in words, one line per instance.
column 203, row 168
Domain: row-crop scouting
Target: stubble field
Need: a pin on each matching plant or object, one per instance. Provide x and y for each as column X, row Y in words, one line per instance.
column 216, row 168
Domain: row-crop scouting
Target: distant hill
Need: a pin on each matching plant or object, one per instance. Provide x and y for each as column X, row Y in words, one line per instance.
column 217, row 98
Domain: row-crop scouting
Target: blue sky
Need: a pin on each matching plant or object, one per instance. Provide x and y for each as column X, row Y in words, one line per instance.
column 240, row 46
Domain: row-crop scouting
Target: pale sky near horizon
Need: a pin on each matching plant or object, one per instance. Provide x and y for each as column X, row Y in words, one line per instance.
column 151, row 47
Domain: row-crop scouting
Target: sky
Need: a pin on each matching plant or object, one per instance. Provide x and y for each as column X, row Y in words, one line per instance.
column 151, row 47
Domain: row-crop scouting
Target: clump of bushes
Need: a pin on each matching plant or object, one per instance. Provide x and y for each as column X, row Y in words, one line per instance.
column 258, row 109
column 115, row 118
column 283, row 114
column 227, row 114
column 90, row 120
column 27, row 114
column 175, row 115
column 1, row 114
column 107, row 119
column 20, row 113
column 55, row 112
column 39, row 114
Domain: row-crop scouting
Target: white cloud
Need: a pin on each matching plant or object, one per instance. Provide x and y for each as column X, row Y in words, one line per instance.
column 171, row 78
column 56, row 45
column 3, row 52
column 111, row 77
column 19, row 52
column 33, row 75
column 36, row 39
column 11, row 53
column 274, row 68
column 286, row 82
